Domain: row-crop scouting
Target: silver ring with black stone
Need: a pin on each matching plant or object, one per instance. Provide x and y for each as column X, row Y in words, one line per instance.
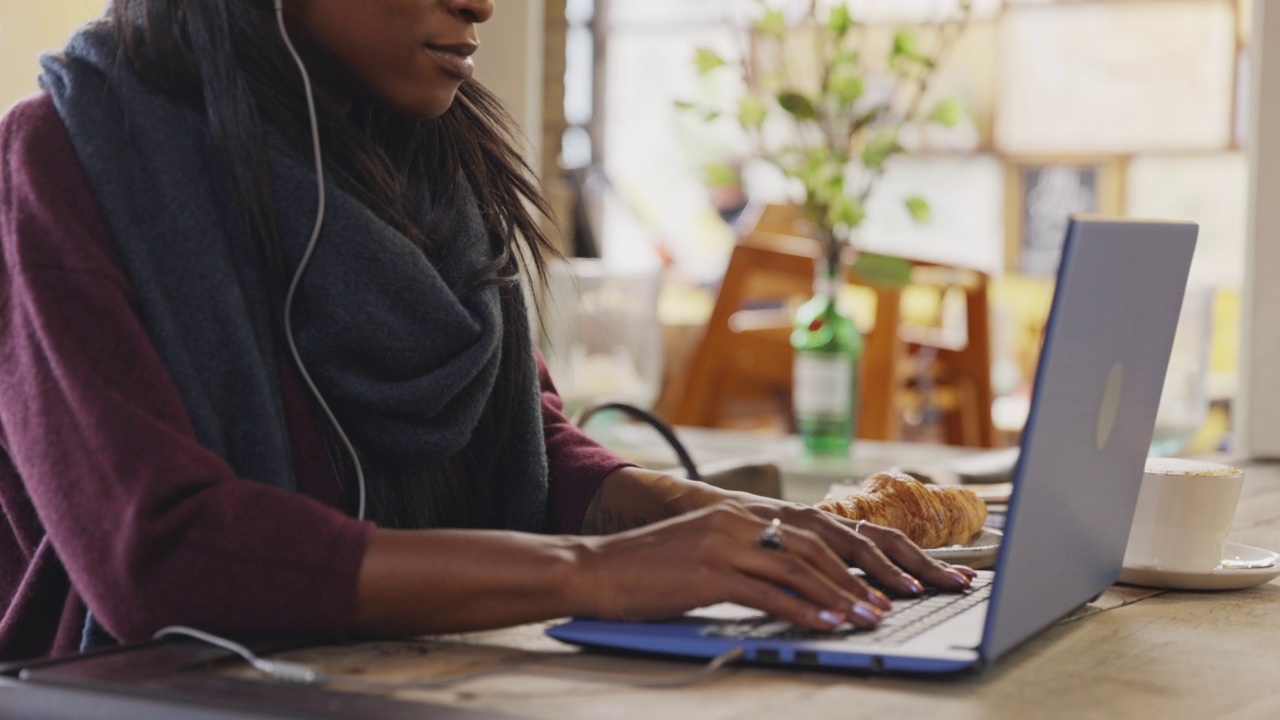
column 770, row 538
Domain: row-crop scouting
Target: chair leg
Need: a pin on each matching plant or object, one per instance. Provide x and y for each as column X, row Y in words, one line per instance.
column 878, row 414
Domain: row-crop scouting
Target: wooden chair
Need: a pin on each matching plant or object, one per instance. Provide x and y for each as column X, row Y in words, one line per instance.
column 745, row 351
column 744, row 357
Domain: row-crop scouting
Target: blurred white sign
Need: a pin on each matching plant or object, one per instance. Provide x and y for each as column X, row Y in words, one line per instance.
column 1116, row 77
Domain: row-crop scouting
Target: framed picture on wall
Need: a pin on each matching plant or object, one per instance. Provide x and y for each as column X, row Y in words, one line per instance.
column 1041, row 195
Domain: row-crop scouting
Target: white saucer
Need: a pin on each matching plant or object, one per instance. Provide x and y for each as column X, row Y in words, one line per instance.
column 979, row 553
column 1220, row 578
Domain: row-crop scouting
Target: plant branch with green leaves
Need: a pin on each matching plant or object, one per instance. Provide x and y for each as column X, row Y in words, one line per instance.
column 825, row 108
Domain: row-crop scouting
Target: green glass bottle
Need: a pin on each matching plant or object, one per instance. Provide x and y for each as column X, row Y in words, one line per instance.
column 827, row 347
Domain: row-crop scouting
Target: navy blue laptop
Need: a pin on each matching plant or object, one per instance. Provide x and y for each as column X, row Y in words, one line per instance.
column 1106, row 347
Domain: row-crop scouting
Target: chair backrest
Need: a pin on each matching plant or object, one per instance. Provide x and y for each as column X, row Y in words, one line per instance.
column 745, row 345
column 746, row 349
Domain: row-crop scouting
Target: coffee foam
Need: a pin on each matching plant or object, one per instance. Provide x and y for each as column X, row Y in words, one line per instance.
column 1182, row 466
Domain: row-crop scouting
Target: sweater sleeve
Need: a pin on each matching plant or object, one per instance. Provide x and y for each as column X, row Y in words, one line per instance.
column 152, row 528
column 577, row 464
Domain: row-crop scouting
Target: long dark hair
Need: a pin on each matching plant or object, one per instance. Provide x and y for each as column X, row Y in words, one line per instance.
column 226, row 57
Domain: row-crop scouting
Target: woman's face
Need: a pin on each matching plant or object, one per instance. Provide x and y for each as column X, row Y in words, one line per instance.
column 411, row 55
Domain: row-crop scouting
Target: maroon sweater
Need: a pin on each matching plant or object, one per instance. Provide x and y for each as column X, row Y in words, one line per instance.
column 110, row 501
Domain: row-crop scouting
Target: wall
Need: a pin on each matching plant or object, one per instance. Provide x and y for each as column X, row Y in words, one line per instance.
column 29, row 28
column 1258, row 409
column 510, row 63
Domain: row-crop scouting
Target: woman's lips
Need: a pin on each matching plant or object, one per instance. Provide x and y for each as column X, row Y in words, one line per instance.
column 455, row 59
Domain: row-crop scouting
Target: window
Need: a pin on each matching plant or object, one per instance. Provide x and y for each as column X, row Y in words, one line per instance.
column 1162, row 84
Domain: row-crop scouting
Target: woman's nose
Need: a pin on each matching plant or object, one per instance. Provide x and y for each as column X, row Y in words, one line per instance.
column 477, row 11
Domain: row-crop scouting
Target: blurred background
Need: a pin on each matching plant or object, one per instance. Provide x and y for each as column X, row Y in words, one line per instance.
column 1131, row 107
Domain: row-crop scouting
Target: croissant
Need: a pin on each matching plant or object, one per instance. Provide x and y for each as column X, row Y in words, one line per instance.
column 931, row 515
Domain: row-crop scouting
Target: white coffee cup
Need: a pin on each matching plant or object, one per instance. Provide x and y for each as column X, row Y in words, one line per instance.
column 1185, row 510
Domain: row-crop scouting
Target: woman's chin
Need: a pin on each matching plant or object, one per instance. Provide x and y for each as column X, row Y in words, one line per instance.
column 427, row 106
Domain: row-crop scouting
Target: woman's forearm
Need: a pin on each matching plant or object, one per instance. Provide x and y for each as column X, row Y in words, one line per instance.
column 444, row 581
column 420, row 582
column 632, row 497
column 450, row 581
column 441, row 581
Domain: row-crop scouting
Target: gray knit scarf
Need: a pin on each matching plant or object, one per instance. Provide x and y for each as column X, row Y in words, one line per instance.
column 407, row 364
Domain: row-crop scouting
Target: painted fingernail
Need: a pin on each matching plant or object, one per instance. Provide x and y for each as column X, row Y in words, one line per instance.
column 830, row 618
column 867, row 613
column 880, row 600
column 959, row 577
column 912, row 584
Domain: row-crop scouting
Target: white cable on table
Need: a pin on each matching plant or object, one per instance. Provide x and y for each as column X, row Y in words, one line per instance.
column 305, row 675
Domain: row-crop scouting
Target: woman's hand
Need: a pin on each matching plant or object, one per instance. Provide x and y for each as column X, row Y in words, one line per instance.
column 704, row 549
column 883, row 553
column 713, row 555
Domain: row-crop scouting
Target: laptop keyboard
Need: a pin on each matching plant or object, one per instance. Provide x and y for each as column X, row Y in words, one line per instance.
column 909, row 618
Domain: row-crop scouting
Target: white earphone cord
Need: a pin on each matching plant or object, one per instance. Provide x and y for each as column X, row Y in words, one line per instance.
column 303, row 674
column 306, row 675
column 297, row 672
column 280, row 669
column 306, row 258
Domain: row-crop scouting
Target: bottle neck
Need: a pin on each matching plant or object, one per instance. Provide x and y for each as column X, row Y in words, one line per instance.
column 826, row 279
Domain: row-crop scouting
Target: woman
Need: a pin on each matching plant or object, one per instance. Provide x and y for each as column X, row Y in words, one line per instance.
column 166, row 458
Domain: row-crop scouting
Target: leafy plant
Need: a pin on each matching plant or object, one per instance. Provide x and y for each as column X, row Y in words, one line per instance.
column 825, row 109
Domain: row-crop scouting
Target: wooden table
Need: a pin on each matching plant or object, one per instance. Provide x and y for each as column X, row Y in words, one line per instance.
column 1136, row 653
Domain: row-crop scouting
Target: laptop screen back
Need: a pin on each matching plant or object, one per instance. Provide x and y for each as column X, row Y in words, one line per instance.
column 1106, row 348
